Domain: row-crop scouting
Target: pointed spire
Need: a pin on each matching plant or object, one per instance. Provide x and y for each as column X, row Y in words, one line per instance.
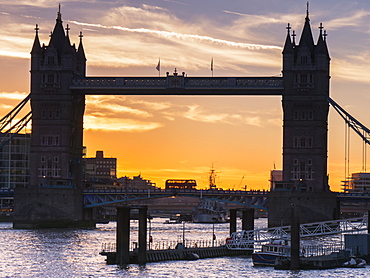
column 307, row 10
column 293, row 36
column 58, row 38
column 307, row 38
column 67, row 34
column 59, row 15
column 288, row 47
column 321, row 28
column 80, row 50
column 321, row 46
column 36, row 43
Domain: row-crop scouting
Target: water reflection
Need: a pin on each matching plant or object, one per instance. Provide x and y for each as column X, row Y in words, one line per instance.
column 75, row 253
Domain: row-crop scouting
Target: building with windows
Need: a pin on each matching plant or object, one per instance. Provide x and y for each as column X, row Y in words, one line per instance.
column 137, row 182
column 15, row 163
column 100, row 166
column 357, row 183
column 276, row 176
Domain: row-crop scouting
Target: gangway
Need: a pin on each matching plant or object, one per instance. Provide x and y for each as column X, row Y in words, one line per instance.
column 248, row 240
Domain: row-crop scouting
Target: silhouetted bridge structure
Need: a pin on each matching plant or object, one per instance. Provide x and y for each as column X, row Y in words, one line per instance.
column 252, row 199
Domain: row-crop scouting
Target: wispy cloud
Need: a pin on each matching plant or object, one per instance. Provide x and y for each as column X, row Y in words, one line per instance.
column 195, row 113
column 13, row 95
column 118, row 125
column 166, row 34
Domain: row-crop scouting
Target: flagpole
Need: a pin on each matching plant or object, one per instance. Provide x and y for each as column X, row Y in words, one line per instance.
column 212, row 66
column 158, row 67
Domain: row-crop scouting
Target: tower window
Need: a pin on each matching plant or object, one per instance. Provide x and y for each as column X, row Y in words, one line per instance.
column 303, row 78
column 295, row 115
column 50, row 78
column 303, row 115
column 304, row 60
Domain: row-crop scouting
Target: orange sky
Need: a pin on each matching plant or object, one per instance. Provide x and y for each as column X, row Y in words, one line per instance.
column 166, row 137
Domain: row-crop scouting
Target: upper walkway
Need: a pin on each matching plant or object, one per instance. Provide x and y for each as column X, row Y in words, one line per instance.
column 178, row 85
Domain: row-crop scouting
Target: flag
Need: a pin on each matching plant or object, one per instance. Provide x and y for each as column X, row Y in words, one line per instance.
column 158, row 67
column 212, row 64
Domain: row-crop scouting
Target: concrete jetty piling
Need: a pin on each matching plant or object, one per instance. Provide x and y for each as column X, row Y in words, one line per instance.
column 295, row 239
column 232, row 216
column 122, row 255
column 248, row 219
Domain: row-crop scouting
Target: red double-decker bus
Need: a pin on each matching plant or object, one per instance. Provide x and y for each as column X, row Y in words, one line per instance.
column 181, row 184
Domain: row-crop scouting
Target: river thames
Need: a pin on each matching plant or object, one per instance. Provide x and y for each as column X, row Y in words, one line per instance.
column 75, row 253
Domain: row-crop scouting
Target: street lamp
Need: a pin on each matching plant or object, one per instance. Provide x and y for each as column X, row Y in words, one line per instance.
column 183, row 233
column 150, row 229
column 213, row 231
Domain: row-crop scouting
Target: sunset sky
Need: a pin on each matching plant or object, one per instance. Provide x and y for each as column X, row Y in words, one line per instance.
column 167, row 137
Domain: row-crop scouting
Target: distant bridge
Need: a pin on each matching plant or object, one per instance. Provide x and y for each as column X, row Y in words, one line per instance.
column 96, row 198
column 253, row 199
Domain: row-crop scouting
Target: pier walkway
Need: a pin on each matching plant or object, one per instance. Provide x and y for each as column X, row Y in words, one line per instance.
column 250, row 240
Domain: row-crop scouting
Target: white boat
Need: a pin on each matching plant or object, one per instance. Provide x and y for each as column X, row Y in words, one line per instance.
column 276, row 248
column 355, row 263
column 209, row 211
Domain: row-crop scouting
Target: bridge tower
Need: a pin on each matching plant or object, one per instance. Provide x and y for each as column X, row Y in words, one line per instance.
column 54, row 196
column 306, row 76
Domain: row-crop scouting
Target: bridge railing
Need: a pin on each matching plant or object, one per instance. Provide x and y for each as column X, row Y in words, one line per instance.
column 165, row 245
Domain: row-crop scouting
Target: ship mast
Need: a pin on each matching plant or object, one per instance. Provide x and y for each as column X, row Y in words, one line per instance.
column 212, row 178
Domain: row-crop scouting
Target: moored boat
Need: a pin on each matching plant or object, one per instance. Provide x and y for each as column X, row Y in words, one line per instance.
column 276, row 248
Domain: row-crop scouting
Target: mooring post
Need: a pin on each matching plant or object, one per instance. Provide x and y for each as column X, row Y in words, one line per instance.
column 248, row 219
column 142, row 234
column 295, row 239
column 123, row 236
column 233, row 220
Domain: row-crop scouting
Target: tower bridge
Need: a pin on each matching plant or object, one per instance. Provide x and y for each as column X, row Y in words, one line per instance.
column 58, row 88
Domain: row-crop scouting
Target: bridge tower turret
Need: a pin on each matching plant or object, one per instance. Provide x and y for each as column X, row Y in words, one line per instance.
column 55, row 189
column 306, row 88
column 306, row 79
